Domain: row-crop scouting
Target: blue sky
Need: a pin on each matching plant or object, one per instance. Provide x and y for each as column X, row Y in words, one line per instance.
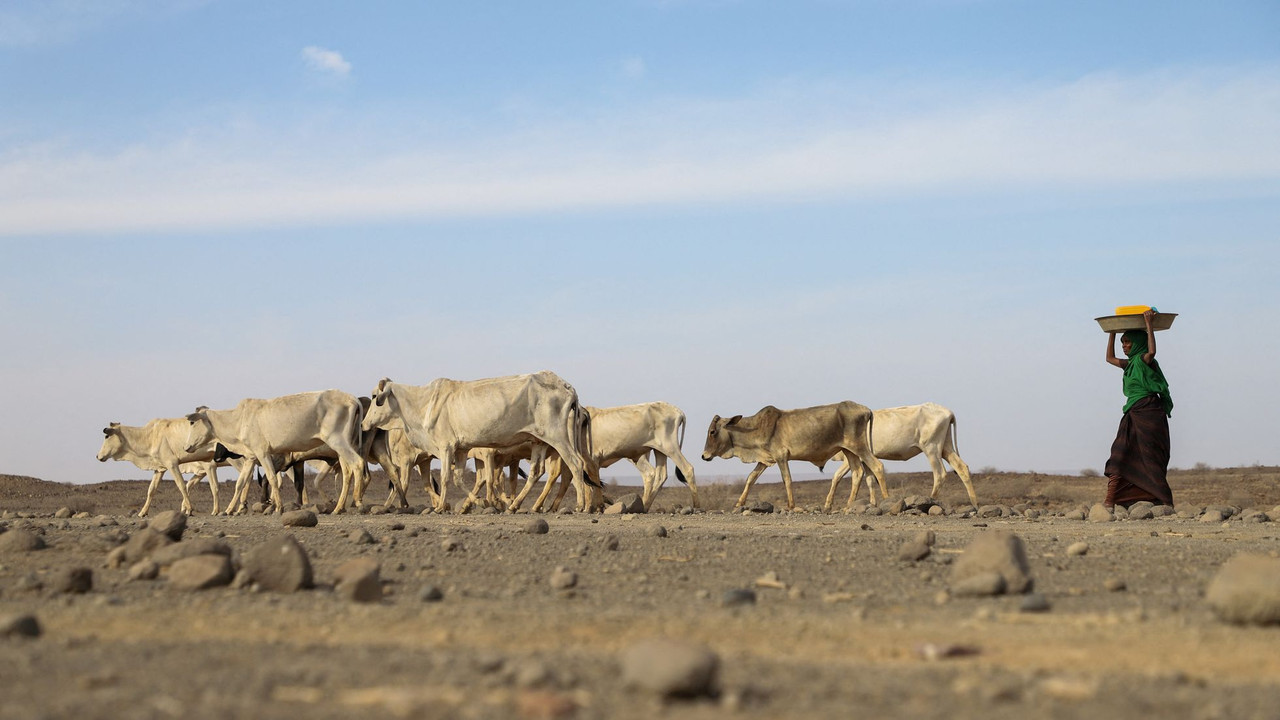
column 720, row 204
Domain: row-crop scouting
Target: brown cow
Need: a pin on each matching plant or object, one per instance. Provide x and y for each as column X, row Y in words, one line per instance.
column 815, row 434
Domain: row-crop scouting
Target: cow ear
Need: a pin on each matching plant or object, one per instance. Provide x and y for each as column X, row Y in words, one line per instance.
column 715, row 419
column 193, row 416
column 106, row 431
column 734, row 420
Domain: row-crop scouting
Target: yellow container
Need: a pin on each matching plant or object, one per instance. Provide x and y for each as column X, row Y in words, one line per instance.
column 1132, row 309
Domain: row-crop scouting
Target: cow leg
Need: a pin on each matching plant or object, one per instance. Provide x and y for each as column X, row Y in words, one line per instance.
column 565, row 479
column 187, row 508
column 482, row 470
column 785, row 467
column 835, row 483
column 273, row 477
column 877, row 469
column 962, row 470
column 448, row 466
column 649, row 477
column 684, row 473
column 151, row 491
column 751, row 480
column 555, row 470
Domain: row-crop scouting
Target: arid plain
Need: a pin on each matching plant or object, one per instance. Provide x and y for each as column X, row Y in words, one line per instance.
column 482, row 615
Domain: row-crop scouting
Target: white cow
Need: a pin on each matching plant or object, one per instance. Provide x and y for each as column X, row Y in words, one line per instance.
column 159, row 446
column 901, row 433
column 265, row 429
column 631, row 432
column 446, row 418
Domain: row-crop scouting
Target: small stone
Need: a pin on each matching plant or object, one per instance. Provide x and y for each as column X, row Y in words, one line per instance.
column 1212, row 516
column 19, row 625
column 628, row 504
column 989, row 511
column 1247, row 590
column 897, row 507
column 738, row 597
column 1075, row 515
column 144, row 570
column 995, row 551
column 760, row 507
column 1141, row 513
column 279, row 565
column 913, row 551
column 670, row 668
column 1031, row 514
column 142, row 544
column 431, row 593
column 170, row 554
column 451, row 544
column 169, row 523
column 1034, row 603
column 1114, row 584
column 1119, row 512
column 979, row 585
column 937, row 510
column 926, row 537
column 532, row 674
column 562, row 578
column 362, row 537
column 77, row 581
column 537, row 526
column 200, row 572
column 1078, row 548
column 20, row 540
column 359, row 580
column 63, row 513
column 1099, row 514
column 299, row 518
column 658, row 531
column 28, row 582
column 609, row 542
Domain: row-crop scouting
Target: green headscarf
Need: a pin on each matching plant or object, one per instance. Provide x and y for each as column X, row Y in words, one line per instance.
column 1141, row 379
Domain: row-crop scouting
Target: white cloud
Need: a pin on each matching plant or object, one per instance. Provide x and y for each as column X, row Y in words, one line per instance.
column 830, row 141
column 327, row 61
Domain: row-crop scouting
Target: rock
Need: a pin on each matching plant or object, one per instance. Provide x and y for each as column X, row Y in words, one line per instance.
column 979, row 584
column 1034, row 603
column 937, row 510
column 144, row 570
column 913, row 550
column 873, row 510
column 63, row 513
column 562, row 578
column 1212, row 516
column 1247, row 590
column 1078, row 548
column 299, row 518
column 76, row 580
column 431, row 593
column 451, row 544
column 628, row 504
column 359, row 580
column 609, row 542
column 171, row 554
column 989, row 511
column 1141, row 513
column 1162, row 510
column 169, row 523
column 19, row 625
column 996, row 551
column 926, row 537
column 20, row 540
column 1114, row 584
column 1075, row 515
column 670, row 668
column 362, row 537
column 279, row 565
column 897, row 507
column 1119, row 512
column 1031, row 513
column 657, row 531
column 200, row 572
column 739, row 596
column 760, row 506
column 1190, row 513
column 536, row 526
column 1100, row 513
column 143, row 543
column 28, row 582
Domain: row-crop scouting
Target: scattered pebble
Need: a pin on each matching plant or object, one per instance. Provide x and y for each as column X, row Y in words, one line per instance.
column 299, row 518
column 536, row 526
column 562, row 578
column 737, row 597
column 1114, row 585
column 1078, row 548
column 670, row 668
column 1034, row 603
column 20, row 625
column 200, row 572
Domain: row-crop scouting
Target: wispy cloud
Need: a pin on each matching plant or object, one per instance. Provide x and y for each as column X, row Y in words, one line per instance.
column 326, row 61
column 834, row 141
column 29, row 23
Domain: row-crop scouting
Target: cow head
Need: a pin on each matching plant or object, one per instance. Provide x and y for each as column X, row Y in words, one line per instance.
column 201, row 432
column 112, row 444
column 720, row 438
column 383, row 410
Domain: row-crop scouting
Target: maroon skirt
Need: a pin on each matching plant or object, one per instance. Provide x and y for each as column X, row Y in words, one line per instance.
column 1139, row 463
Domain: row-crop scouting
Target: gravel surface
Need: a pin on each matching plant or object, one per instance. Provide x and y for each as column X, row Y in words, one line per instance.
column 493, row 616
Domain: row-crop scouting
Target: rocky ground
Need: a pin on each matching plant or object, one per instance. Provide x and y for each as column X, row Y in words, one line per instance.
column 758, row 615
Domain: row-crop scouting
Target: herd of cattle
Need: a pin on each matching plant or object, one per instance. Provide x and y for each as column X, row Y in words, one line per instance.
column 499, row 423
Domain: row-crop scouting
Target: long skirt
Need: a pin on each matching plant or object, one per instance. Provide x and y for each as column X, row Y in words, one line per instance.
column 1139, row 463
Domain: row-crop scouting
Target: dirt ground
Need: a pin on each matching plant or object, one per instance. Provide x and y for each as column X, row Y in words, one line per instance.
column 847, row 630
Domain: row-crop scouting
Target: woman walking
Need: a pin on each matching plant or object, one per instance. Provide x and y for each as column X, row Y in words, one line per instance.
column 1139, row 459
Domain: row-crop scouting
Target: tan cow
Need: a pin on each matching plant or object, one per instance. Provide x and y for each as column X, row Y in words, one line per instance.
column 446, row 418
column 158, row 446
column 814, row 435
column 266, row 429
column 901, row 433
column 631, row 432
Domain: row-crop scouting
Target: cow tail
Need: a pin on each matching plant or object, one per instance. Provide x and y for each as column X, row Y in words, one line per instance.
column 680, row 441
column 581, row 438
column 955, row 439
